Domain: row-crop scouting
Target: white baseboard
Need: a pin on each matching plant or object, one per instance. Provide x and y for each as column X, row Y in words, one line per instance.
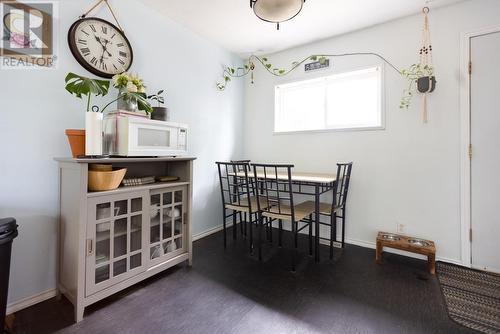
column 361, row 243
column 29, row 301
column 208, row 232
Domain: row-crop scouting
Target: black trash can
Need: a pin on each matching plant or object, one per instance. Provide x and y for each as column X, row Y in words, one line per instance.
column 8, row 231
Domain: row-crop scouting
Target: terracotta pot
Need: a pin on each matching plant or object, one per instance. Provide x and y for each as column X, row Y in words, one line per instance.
column 76, row 140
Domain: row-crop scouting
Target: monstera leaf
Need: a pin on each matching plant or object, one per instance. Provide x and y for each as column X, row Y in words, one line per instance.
column 79, row 85
column 83, row 86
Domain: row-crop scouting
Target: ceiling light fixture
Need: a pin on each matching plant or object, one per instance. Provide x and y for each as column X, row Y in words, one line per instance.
column 276, row 11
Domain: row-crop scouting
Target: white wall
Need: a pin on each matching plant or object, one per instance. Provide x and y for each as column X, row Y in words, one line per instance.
column 35, row 110
column 409, row 172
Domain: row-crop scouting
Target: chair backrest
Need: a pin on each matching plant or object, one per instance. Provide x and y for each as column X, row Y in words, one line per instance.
column 274, row 191
column 247, row 162
column 341, row 185
column 236, row 187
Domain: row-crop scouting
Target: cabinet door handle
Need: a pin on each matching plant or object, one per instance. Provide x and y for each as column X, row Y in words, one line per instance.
column 90, row 247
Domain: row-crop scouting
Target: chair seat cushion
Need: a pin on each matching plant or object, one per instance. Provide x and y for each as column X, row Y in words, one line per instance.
column 243, row 205
column 284, row 212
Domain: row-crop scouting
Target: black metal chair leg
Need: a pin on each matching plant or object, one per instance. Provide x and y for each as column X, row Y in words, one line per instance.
column 296, row 235
column 224, row 226
column 251, row 233
column 261, row 222
column 270, row 229
column 235, row 225
column 310, row 236
column 294, row 252
column 280, row 232
column 343, row 227
column 245, row 217
column 241, row 222
column 333, row 219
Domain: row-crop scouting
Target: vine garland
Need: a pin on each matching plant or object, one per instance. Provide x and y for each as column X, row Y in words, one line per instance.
column 249, row 66
column 412, row 74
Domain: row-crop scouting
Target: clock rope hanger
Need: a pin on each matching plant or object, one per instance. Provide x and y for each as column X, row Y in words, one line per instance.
column 100, row 46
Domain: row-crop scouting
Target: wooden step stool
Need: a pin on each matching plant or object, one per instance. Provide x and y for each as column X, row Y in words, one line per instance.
column 409, row 244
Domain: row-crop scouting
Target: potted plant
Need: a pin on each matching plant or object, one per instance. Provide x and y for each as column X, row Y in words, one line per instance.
column 159, row 113
column 420, row 79
column 88, row 141
column 131, row 93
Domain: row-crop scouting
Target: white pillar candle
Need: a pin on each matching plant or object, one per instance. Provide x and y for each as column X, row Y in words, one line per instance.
column 93, row 133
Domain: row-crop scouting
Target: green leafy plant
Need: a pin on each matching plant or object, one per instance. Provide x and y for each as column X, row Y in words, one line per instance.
column 82, row 86
column 412, row 74
column 157, row 97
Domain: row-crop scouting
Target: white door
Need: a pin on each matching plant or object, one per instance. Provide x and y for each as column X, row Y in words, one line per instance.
column 485, row 163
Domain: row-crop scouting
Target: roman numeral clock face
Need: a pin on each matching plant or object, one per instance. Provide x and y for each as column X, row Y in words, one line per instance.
column 100, row 47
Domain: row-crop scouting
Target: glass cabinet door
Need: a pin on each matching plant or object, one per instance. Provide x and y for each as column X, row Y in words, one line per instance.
column 115, row 239
column 167, row 225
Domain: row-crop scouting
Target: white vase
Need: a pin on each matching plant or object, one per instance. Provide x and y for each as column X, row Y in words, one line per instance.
column 93, row 133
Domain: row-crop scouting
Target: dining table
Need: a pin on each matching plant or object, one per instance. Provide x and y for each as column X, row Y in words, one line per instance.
column 308, row 184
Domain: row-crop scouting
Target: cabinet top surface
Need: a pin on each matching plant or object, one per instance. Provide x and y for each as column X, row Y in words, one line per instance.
column 116, row 160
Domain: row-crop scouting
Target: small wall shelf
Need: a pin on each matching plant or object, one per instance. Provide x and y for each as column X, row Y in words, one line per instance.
column 110, row 240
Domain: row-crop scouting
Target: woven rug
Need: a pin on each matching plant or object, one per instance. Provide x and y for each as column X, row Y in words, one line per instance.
column 472, row 297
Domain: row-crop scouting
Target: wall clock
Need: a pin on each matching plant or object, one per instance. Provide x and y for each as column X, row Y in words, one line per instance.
column 100, row 47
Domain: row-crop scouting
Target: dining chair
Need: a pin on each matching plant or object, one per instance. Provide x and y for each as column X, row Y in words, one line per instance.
column 238, row 195
column 275, row 202
column 337, row 209
column 243, row 215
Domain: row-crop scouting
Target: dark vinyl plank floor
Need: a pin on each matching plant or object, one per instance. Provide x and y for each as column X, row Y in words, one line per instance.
column 230, row 291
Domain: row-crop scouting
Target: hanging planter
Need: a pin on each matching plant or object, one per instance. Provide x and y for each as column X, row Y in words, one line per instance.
column 421, row 76
column 426, row 84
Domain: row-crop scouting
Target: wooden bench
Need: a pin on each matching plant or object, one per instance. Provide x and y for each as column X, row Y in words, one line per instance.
column 409, row 244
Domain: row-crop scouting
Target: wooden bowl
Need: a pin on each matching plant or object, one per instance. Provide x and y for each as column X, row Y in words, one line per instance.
column 105, row 180
column 100, row 167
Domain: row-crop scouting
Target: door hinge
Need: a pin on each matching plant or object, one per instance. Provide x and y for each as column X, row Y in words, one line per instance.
column 470, row 235
column 90, row 247
column 470, row 67
column 470, row 151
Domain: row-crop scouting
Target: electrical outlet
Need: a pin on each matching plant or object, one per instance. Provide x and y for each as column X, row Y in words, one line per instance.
column 401, row 228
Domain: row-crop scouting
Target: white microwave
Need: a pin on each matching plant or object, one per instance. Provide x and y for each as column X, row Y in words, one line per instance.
column 134, row 136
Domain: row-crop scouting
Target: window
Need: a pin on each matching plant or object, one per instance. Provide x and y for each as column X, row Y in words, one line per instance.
column 351, row 100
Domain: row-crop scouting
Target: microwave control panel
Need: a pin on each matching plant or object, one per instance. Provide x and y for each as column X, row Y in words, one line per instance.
column 181, row 142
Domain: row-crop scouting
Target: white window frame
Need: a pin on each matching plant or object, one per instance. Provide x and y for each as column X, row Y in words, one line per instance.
column 380, row 67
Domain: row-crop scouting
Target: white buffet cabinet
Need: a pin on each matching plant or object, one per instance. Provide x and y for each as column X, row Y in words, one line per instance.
column 111, row 240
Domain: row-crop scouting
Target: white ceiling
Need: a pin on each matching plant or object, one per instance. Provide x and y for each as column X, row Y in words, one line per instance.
column 232, row 24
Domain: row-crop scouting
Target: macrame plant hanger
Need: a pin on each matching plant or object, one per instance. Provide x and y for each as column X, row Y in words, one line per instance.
column 110, row 9
column 426, row 61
